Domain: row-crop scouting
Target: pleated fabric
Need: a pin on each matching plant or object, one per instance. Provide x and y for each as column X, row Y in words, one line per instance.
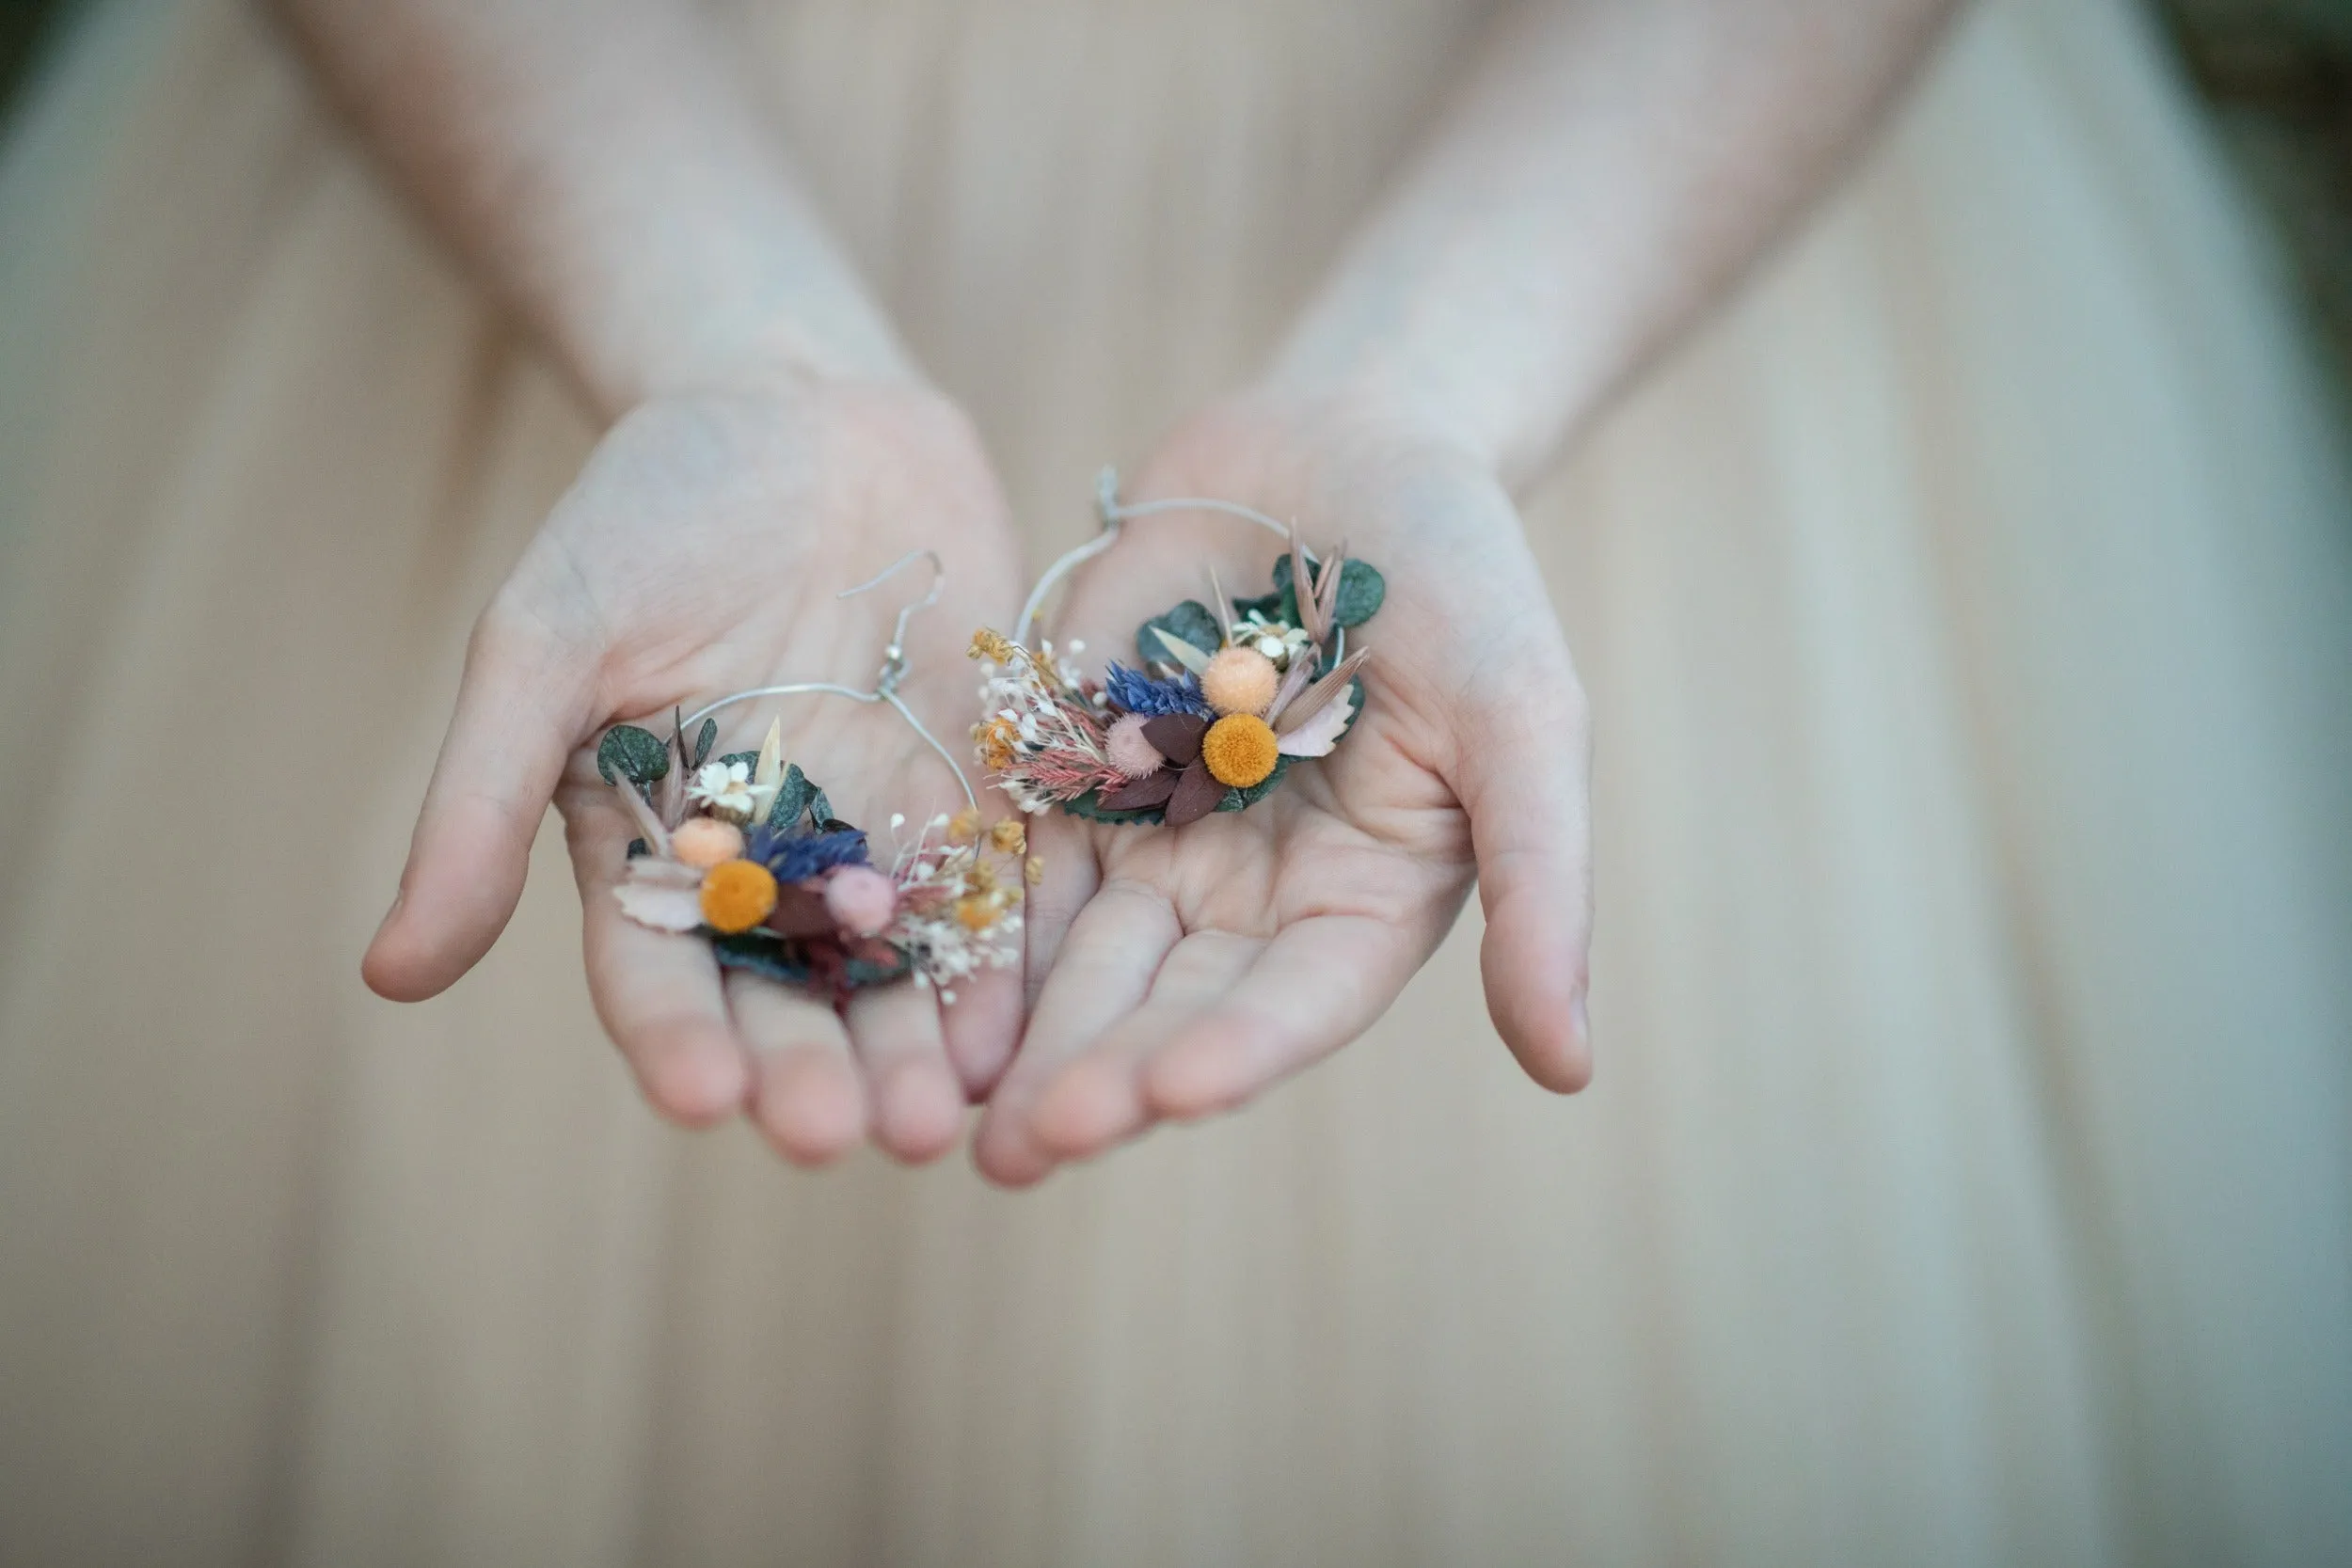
column 1967, row 611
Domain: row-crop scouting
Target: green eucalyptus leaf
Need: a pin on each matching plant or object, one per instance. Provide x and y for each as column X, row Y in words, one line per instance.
column 705, row 738
column 749, row 759
column 1090, row 807
column 1362, row 589
column 860, row 974
column 628, row 753
column 1354, row 706
column 1283, row 607
column 761, row 954
column 1192, row 621
column 792, row 797
column 1242, row 799
column 820, row 812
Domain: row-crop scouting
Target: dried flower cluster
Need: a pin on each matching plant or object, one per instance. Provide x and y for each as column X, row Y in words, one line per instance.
column 746, row 850
column 1224, row 700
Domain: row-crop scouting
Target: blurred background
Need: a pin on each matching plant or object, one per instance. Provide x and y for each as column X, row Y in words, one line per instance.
column 2278, row 73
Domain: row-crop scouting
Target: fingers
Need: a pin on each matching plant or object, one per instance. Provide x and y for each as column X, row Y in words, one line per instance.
column 657, row 993
column 981, row 1027
column 1318, row 985
column 1102, row 972
column 1072, row 877
column 527, row 697
column 809, row 1102
column 1097, row 1099
column 917, row 1102
column 1526, row 781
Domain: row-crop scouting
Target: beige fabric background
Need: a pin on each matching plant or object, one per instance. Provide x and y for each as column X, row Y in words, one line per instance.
column 1968, row 613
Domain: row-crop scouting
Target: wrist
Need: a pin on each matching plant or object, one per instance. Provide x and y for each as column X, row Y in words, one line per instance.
column 741, row 349
column 1359, row 423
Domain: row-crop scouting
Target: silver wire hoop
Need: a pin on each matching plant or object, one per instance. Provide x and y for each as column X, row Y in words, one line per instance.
column 1113, row 515
column 885, row 683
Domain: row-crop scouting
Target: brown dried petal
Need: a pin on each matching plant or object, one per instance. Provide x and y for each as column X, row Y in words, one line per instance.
column 801, row 912
column 649, row 826
column 1195, row 795
column 1317, row 627
column 1327, row 587
column 1294, row 681
column 1317, row 696
column 1177, row 736
column 1152, row 789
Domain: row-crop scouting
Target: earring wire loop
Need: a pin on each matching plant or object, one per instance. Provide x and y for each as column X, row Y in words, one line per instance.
column 885, row 683
column 1113, row 514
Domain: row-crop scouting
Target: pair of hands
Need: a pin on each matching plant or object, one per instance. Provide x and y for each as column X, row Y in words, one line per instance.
column 1169, row 973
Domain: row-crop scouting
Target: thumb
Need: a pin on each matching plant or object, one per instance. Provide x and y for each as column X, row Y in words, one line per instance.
column 527, row 697
column 1526, row 781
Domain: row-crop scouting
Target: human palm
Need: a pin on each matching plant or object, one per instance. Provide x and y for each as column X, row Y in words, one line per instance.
column 702, row 552
column 1176, row 972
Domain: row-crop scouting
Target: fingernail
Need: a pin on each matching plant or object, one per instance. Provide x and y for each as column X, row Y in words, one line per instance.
column 391, row 915
column 1579, row 1019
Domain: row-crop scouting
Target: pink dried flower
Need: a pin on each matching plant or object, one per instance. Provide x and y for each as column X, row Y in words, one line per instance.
column 1130, row 753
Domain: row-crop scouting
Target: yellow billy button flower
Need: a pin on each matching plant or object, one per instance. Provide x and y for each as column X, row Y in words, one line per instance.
column 1009, row 836
column 1239, row 751
column 738, row 895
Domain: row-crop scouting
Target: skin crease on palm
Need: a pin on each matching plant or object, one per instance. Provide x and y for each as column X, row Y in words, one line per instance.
column 610, row 176
column 1178, row 972
column 675, row 572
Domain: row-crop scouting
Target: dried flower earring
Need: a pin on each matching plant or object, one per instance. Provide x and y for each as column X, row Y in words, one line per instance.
column 745, row 849
column 1227, row 694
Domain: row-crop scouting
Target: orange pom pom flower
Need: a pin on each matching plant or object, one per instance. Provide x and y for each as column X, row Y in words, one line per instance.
column 738, row 895
column 1240, row 750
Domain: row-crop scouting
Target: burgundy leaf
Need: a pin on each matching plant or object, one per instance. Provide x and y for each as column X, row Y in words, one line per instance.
column 801, row 912
column 1177, row 736
column 1152, row 789
column 1197, row 794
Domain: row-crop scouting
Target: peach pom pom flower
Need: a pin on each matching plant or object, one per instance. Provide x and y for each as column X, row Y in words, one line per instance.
column 796, row 897
column 1229, row 694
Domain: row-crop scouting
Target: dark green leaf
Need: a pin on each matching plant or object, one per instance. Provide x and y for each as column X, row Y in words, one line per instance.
column 820, row 810
column 1283, row 607
column 705, row 738
column 1241, row 800
column 628, row 752
column 761, row 954
column 639, row 846
column 1087, row 806
column 792, row 796
column 1362, row 589
column 1192, row 621
column 860, row 974
column 749, row 759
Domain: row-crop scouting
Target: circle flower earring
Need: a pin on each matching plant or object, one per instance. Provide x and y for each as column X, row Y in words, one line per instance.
column 745, row 850
column 1225, row 697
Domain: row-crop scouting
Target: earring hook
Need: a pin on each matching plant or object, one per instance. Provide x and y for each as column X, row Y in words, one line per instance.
column 1108, row 508
column 894, row 656
column 894, row 667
